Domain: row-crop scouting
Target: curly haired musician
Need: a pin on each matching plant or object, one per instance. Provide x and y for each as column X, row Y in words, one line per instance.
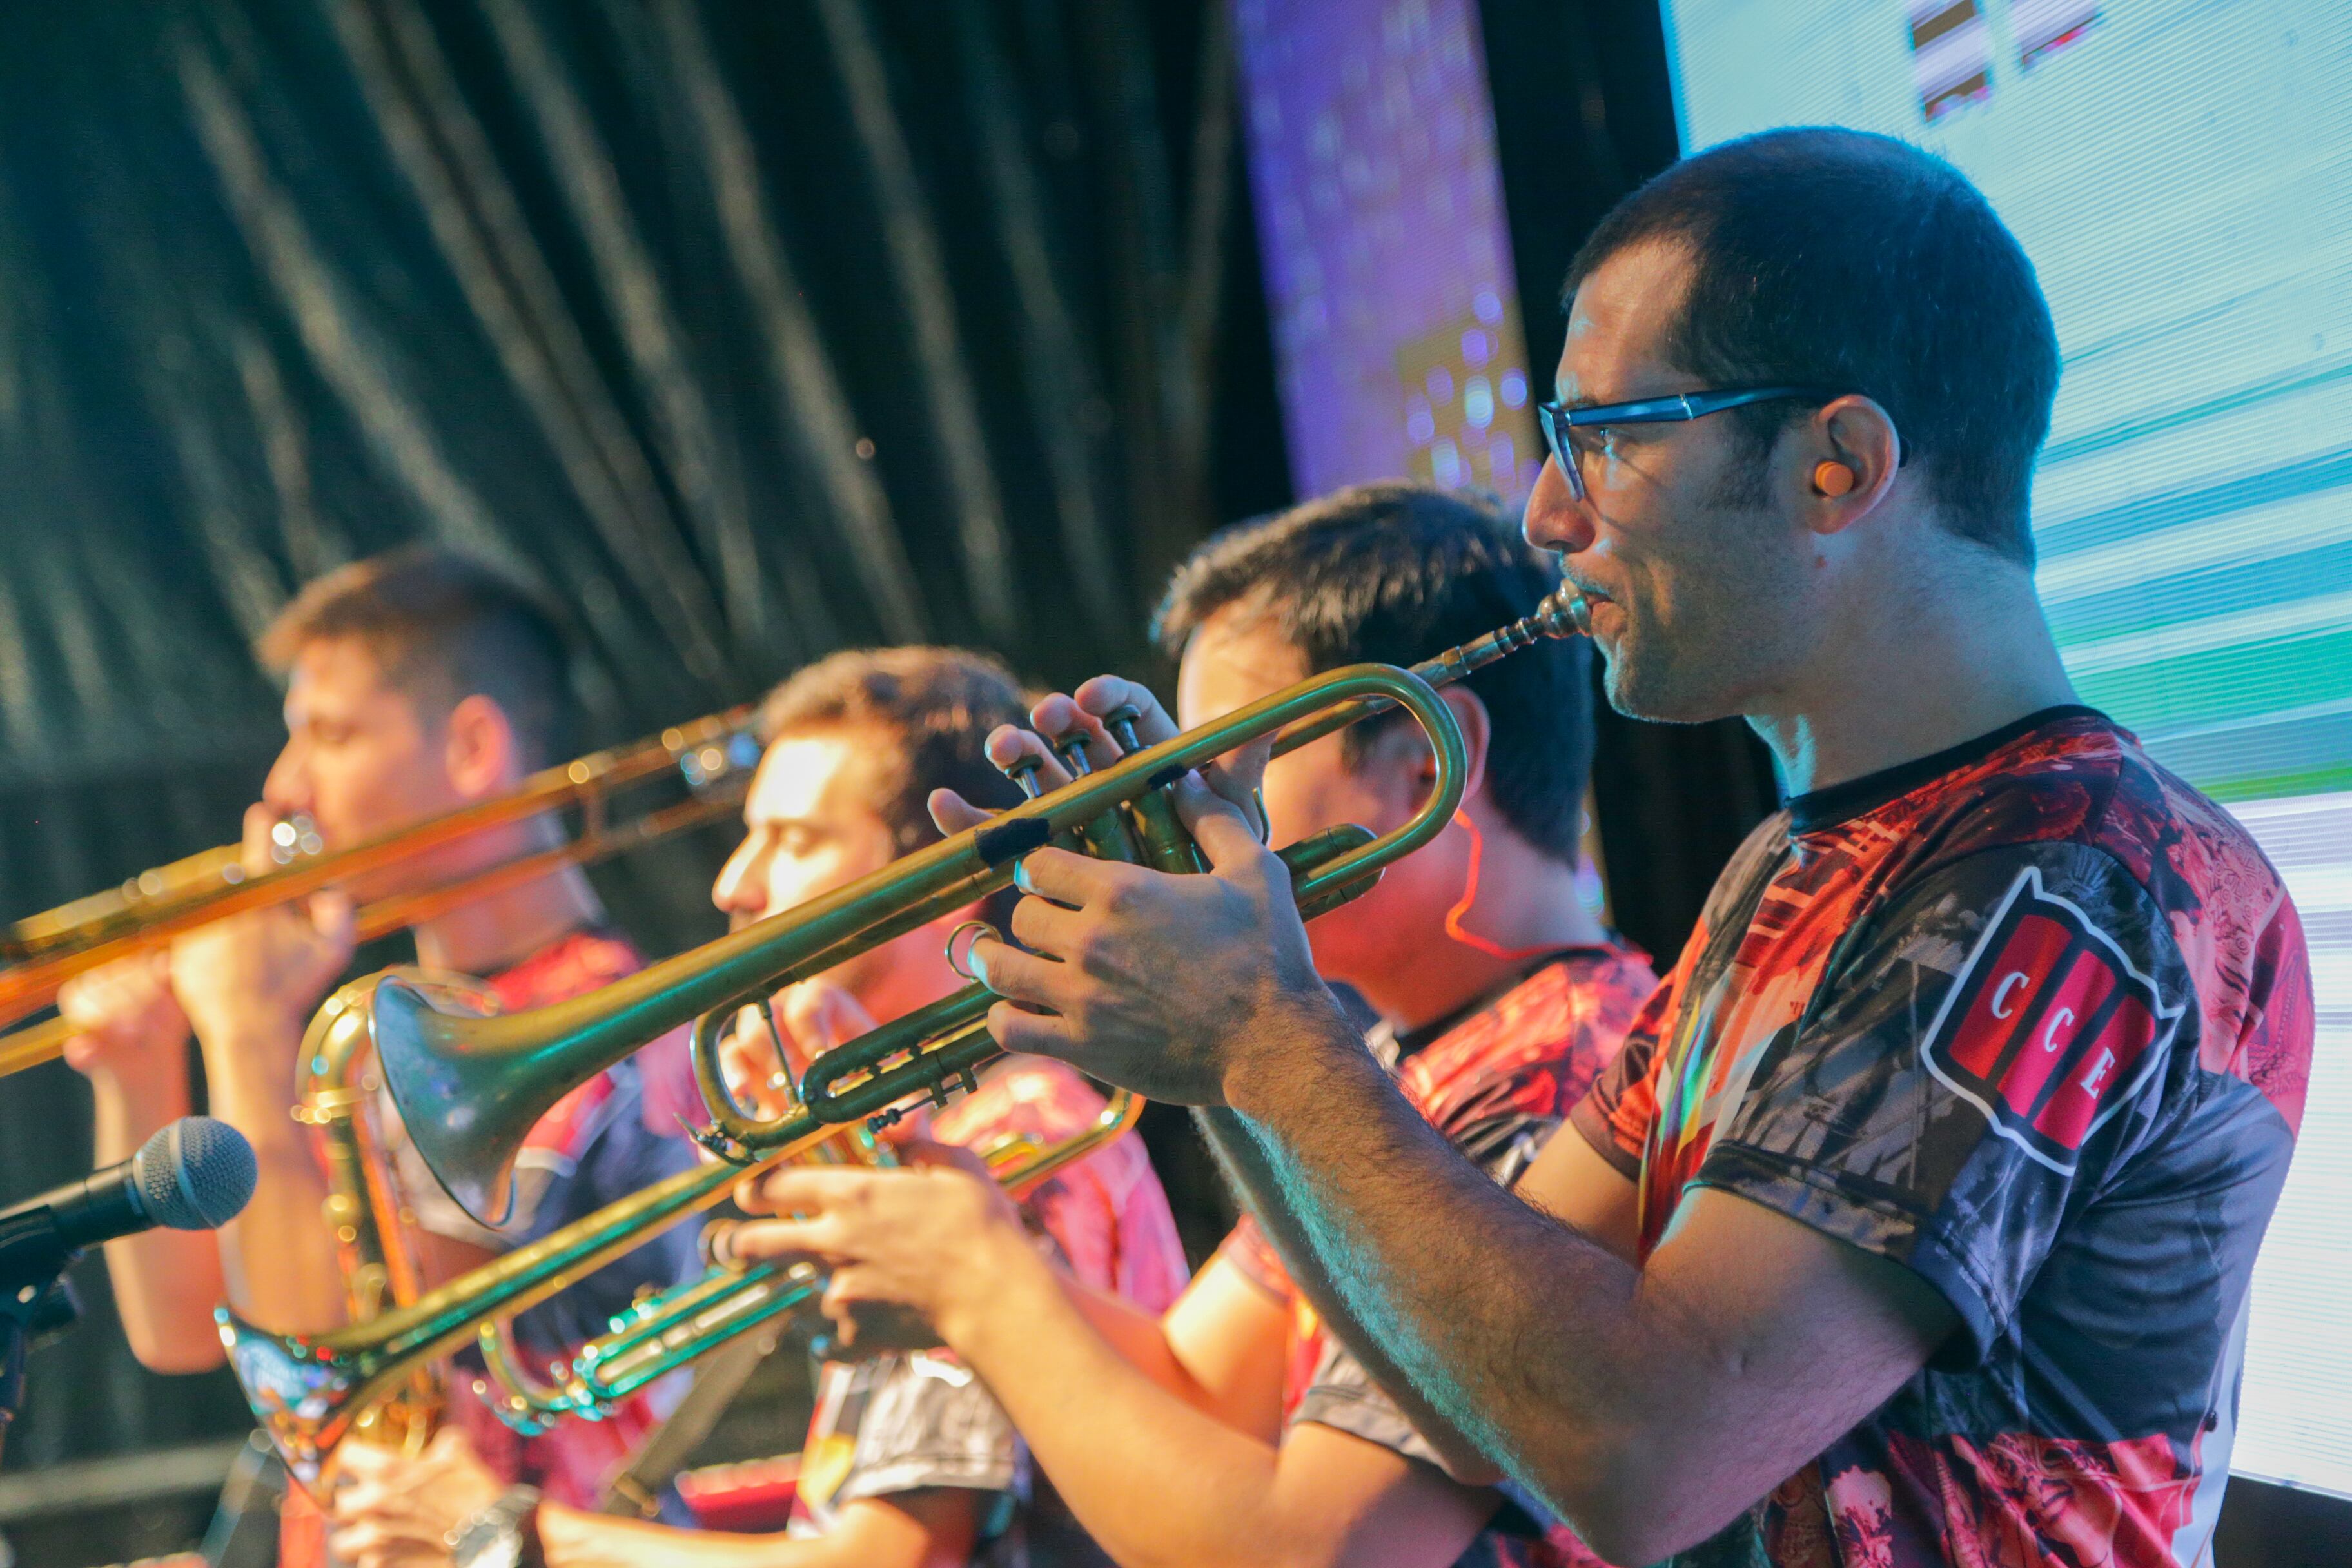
column 1913, row 1225
column 416, row 683
column 908, row 1462
column 1234, row 1430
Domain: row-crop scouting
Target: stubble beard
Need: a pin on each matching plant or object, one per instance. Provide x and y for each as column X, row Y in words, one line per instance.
column 1700, row 670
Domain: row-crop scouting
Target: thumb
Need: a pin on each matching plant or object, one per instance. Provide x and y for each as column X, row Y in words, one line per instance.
column 1223, row 830
column 364, row 1461
column 929, row 1152
column 253, row 847
column 1240, row 776
column 449, row 1443
column 333, row 915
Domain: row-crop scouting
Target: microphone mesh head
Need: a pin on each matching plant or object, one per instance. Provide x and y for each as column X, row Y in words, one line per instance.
column 195, row 1174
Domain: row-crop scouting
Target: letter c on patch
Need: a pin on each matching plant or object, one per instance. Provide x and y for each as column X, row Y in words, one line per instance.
column 2001, row 991
column 2050, row 1041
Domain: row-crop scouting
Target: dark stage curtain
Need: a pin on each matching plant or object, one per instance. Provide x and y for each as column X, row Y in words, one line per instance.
column 746, row 331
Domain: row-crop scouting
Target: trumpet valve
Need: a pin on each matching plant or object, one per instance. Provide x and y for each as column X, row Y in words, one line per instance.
column 1070, row 745
column 1024, row 773
column 1120, row 722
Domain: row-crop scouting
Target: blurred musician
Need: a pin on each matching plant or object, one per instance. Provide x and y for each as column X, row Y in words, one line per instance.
column 1234, row 1430
column 417, row 682
column 1915, row 1223
column 909, row 1463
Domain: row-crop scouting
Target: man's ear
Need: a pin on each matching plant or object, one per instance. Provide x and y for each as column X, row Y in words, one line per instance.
column 1478, row 733
column 480, row 750
column 1848, row 457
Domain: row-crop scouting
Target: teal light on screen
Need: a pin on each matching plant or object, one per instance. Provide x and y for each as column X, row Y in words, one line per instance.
column 2181, row 175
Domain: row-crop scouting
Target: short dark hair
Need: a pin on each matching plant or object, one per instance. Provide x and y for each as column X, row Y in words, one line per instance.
column 443, row 627
column 1396, row 573
column 939, row 703
column 1854, row 262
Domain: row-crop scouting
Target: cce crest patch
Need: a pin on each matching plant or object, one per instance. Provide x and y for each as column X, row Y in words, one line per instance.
column 2049, row 1027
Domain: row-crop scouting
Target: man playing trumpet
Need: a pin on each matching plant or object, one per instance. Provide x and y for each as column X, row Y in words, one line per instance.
column 1234, row 1430
column 909, row 1463
column 417, row 683
column 1913, row 1226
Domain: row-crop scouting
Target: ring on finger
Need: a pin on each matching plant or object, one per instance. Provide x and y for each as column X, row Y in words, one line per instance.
column 961, row 962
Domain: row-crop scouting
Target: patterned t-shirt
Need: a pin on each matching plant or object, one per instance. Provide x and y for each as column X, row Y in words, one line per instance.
column 599, row 1144
column 2033, row 1018
column 902, row 1423
column 1495, row 1078
column 596, row 1145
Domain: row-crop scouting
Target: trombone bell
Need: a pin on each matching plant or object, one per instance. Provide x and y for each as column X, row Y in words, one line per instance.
column 309, row 1398
column 465, row 1113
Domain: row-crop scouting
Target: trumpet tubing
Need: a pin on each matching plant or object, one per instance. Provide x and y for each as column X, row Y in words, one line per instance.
column 668, row 1330
column 942, row 1045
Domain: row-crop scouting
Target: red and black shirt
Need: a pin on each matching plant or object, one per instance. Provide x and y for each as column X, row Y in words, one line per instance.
column 2034, row 1019
column 1495, row 1078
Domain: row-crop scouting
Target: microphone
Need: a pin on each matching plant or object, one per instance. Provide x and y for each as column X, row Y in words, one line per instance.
column 194, row 1175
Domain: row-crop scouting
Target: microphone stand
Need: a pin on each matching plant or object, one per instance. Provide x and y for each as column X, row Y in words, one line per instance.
column 36, row 1300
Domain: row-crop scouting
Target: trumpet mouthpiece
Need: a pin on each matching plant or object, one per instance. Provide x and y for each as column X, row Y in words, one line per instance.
column 1564, row 612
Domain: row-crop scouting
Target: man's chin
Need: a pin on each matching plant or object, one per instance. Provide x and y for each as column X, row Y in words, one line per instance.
column 1647, row 693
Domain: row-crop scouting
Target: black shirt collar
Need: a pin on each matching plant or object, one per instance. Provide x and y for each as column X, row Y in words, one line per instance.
column 1820, row 808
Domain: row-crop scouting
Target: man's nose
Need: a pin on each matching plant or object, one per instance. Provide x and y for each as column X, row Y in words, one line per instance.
column 287, row 789
column 1555, row 520
column 738, row 889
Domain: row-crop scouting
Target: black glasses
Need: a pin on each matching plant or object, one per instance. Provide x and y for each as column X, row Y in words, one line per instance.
column 1559, row 420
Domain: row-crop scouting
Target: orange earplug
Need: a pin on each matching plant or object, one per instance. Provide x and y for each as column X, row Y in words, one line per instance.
column 1833, row 479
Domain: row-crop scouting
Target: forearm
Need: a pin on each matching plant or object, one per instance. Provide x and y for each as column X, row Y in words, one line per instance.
column 165, row 1281
column 1513, row 1329
column 278, row 1261
column 1245, row 1165
column 932, row 1529
column 1141, row 1339
column 574, row 1538
column 1154, row 1479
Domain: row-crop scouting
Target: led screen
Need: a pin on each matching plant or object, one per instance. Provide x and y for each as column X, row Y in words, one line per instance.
column 2181, row 174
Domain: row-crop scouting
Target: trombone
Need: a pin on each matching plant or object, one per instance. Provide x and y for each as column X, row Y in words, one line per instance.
column 714, row 756
column 468, row 1089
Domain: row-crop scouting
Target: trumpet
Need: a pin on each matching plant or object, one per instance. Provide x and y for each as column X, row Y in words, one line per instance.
column 713, row 756
column 469, row 1087
column 667, row 1330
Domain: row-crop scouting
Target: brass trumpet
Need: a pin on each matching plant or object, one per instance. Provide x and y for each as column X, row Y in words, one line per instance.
column 667, row 1330
column 468, row 1089
column 714, row 756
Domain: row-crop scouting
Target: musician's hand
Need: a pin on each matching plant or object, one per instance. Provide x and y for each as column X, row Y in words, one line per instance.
column 391, row 1512
column 128, row 1026
column 922, row 1245
column 1236, row 777
column 264, row 971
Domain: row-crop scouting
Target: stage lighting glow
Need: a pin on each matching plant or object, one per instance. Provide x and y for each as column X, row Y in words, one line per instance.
column 1387, row 265
column 2181, row 174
